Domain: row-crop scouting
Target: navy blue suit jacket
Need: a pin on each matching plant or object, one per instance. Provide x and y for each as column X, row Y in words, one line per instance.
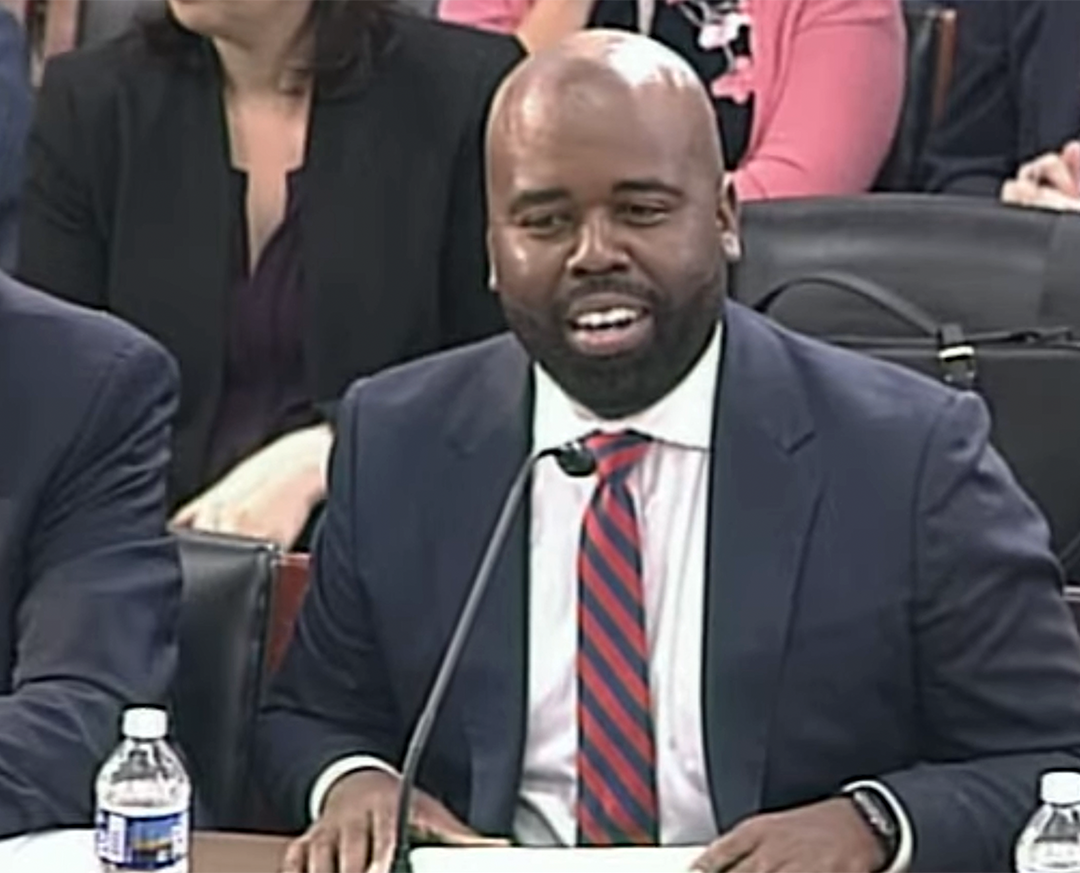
column 15, row 108
column 1015, row 93
column 880, row 600
column 89, row 580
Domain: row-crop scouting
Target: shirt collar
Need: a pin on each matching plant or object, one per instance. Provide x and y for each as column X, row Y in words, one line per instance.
column 683, row 417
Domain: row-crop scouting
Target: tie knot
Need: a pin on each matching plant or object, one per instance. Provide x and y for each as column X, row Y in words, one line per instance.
column 617, row 453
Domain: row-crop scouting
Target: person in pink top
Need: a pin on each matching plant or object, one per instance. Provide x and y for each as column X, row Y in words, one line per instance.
column 808, row 92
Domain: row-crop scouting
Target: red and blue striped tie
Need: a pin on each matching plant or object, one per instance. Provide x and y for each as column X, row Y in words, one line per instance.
column 616, row 752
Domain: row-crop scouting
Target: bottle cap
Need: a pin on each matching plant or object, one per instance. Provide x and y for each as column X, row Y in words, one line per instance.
column 145, row 723
column 1061, row 787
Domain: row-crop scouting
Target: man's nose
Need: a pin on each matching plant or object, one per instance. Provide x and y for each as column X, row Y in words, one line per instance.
column 598, row 251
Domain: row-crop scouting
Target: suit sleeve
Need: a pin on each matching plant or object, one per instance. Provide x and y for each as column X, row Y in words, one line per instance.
column 973, row 150
column 62, row 237
column 330, row 698
column 838, row 106
column 470, row 310
column 998, row 658
column 95, row 625
column 15, row 100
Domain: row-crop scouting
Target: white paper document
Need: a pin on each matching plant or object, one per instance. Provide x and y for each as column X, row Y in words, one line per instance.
column 662, row 859
column 71, row 851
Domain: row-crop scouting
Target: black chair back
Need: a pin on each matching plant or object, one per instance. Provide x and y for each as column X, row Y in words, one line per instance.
column 930, row 28
column 962, row 259
column 223, row 631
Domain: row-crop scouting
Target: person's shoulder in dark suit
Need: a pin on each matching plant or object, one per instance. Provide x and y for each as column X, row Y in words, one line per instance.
column 126, row 64
column 86, row 563
column 1012, row 56
column 430, row 45
column 98, row 104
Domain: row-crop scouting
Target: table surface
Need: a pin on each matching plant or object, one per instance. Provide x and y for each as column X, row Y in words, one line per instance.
column 236, row 853
column 72, row 851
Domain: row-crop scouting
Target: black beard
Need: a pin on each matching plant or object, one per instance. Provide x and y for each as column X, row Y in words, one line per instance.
column 621, row 385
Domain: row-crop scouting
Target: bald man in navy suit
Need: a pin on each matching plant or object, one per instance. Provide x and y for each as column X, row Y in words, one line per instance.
column 800, row 612
column 89, row 577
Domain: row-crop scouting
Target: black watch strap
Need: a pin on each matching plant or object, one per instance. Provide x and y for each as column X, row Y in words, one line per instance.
column 879, row 817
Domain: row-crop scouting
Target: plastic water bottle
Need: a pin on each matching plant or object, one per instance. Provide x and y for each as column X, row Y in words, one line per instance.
column 143, row 800
column 1051, row 841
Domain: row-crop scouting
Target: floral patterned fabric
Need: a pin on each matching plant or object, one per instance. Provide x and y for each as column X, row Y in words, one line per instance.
column 726, row 69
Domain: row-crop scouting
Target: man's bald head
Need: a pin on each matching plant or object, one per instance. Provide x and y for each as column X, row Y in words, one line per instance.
column 608, row 71
column 610, row 217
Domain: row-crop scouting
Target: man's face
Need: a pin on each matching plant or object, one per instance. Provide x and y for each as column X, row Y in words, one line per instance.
column 607, row 220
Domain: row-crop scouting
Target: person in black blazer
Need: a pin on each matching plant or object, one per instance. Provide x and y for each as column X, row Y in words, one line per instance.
column 1013, row 112
column 89, row 577
column 288, row 195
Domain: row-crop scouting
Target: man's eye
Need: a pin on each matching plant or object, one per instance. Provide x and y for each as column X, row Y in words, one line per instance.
column 644, row 213
column 545, row 222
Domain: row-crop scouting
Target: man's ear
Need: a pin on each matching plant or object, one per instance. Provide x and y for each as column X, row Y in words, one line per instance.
column 727, row 220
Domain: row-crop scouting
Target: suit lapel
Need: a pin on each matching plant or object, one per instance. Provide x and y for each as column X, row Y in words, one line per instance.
column 489, row 440
column 187, row 133
column 1057, row 72
column 180, row 224
column 764, row 492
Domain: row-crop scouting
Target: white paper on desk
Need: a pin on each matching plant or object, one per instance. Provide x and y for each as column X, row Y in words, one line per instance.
column 661, row 859
column 69, row 850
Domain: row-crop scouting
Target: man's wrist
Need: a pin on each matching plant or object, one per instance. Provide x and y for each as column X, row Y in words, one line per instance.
column 900, row 859
column 335, row 772
column 879, row 821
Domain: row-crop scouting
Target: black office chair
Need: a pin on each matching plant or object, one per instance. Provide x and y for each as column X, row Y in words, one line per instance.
column 223, row 632
column 962, row 259
column 998, row 291
column 930, row 28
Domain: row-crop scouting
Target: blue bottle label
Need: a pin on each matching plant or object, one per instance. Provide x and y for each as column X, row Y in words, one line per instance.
column 142, row 843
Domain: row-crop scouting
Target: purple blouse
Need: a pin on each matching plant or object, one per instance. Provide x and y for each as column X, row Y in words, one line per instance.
column 266, row 392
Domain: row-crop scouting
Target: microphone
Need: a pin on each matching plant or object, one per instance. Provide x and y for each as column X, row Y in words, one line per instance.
column 575, row 460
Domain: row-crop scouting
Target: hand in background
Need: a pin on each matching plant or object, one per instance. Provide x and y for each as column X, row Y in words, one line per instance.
column 355, row 833
column 548, row 21
column 1050, row 181
column 830, row 835
column 269, row 495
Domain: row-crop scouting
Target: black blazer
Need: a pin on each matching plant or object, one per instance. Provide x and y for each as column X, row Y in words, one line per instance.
column 1015, row 93
column 128, row 207
column 89, row 579
column 880, row 600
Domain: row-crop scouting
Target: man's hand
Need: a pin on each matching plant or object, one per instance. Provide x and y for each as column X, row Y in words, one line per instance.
column 1050, row 181
column 269, row 495
column 355, row 833
column 830, row 835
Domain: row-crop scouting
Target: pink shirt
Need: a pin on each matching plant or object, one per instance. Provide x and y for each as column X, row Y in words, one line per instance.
column 827, row 78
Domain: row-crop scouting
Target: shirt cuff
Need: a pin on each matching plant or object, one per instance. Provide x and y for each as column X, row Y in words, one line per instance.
column 901, row 861
column 342, row 767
